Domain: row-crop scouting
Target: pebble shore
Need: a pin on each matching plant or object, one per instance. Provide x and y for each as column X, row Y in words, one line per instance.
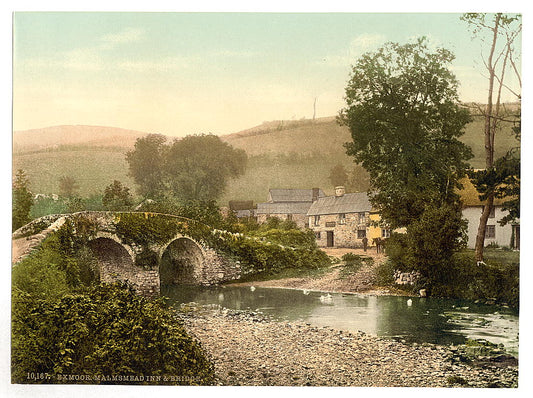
column 250, row 349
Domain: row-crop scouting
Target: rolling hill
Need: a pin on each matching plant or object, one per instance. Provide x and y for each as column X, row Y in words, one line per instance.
column 282, row 154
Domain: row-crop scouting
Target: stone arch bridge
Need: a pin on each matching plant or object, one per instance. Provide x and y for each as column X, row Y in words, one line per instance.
column 147, row 250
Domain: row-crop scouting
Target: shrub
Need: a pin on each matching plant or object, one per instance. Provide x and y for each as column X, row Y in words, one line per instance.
column 384, row 273
column 108, row 331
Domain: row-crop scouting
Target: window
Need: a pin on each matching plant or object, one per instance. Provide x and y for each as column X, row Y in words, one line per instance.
column 317, row 221
column 361, row 233
column 385, row 233
column 289, row 217
column 362, row 218
column 342, row 218
column 490, row 232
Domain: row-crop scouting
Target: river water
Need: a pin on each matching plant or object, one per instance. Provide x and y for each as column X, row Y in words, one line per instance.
column 430, row 320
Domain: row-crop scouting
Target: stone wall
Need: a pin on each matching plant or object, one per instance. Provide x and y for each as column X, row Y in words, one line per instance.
column 345, row 231
column 218, row 268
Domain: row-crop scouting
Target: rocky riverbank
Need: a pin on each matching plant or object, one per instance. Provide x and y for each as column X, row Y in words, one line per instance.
column 333, row 280
column 250, row 349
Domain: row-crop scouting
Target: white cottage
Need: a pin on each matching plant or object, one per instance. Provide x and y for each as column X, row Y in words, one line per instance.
column 503, row 236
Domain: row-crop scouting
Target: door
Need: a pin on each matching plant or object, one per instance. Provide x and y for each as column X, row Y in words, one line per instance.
column 330, row 240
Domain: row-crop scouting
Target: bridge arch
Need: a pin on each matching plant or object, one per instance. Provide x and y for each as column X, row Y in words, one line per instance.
column 181, row 262
column 115, row 260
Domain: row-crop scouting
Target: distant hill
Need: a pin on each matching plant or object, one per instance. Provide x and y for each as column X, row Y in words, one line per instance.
column 282, row 154
column 56, row 136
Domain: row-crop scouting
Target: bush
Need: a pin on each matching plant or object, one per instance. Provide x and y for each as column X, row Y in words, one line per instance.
column 385, row 273
column 108, row 331
column 494, row 282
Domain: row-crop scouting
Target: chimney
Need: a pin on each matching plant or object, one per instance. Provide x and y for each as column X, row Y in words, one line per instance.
column 315, row 194
column 339, row 191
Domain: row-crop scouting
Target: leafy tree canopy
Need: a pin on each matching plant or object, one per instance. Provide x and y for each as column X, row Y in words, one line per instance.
column 196, row 167
column 117, row 197
column 405, row 122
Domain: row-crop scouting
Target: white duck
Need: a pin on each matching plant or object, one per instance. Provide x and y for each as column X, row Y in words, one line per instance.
column 327, row 299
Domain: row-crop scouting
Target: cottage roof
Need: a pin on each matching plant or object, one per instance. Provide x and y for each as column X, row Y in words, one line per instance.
column 292, row 195
column 347, row 203
column 241, row 204
column 283, row 208
column 470, row 196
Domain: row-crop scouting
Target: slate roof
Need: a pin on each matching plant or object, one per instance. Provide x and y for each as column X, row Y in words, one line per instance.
column 348, row 203
column 292, row 195
column 283, row 208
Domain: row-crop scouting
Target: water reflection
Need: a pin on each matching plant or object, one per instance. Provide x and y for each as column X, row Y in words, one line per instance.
column 432, row 320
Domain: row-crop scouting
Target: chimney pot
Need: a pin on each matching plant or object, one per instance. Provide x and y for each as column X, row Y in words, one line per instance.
column 339, row 191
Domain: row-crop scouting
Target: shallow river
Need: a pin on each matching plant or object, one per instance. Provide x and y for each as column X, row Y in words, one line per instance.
column 431, row 320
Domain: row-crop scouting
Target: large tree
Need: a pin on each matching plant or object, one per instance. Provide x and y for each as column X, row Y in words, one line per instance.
column 199, row 166
column 193, row 168
column 146, row 163
column 502, row 30
column 403, row 114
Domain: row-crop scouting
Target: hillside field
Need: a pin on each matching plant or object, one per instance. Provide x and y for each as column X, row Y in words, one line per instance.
column 282, row 154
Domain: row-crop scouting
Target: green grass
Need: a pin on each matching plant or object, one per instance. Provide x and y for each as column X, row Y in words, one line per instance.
column 495, row 256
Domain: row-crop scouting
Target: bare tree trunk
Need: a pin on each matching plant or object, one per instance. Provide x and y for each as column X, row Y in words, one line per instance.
column 489, row 146
column 480, row 237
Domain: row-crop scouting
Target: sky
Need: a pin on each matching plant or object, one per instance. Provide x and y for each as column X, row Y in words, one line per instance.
column 189, row 73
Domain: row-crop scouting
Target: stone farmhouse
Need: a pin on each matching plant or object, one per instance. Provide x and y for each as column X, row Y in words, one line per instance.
column 496, row 234
column 341, row 220
column 288, row 204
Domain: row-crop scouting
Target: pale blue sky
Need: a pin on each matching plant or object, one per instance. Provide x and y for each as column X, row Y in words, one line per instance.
column 184, row 73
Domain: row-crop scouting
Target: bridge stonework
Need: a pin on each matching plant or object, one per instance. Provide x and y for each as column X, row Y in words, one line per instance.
column 181, row 260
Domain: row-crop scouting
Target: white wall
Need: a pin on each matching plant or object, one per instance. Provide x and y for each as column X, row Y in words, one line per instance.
column 503, row 234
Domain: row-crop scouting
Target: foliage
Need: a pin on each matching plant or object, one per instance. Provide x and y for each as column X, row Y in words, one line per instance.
column 338, row 175
column 117, row 197
column 428, row 246
column 74, row 204
column 22, row 200
column 40, row 274
column 384, row 273
column 494, row 280
column 405, row 123
column 201, row 165
column 146, row 164
column 109, row 331
column 68, row 186
column 196, row 167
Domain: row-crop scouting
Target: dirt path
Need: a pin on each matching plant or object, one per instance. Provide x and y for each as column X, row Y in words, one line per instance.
column 333, row 281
